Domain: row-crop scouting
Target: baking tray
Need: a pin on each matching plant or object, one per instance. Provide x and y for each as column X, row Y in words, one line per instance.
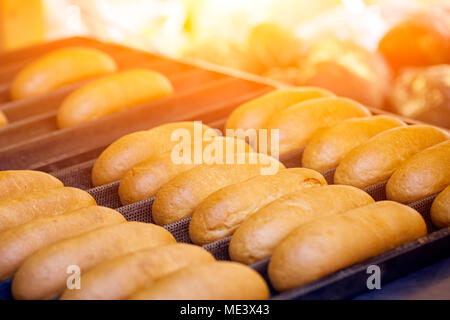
column 32, row 141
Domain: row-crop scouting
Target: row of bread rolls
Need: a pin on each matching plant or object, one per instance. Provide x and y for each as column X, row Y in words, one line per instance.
column 117, row 259
column 340, row 133
column 327, row 244
column 113, row 92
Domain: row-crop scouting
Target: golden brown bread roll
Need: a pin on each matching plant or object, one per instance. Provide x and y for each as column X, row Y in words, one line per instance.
column 44, row 274
column 222, row 280
column 16, row 244
column 118, row 278
column 440, row 209
column 221, row 213
column 111, row 94
column 131, row 149
column 38, row 204
column 326, row 245
column 298, row 122
column 259, row 235
column 178, row 198
column 328, row 147
column 376, row 160
column 143, row 180
column 424, row 174
column 3, row 119
column 58, row 68
column 257, row 112
column 16, row 183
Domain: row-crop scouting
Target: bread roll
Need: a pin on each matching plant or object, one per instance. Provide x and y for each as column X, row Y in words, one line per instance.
column 118, row 278
column 221, row 213
column 422, row 175
column 257, row 112
column 38, row 204
column 376, row 160
column 212, row 281
column 131, row 149
column 178, row 198
column 440, row 209
column 326, row 245
column 16, row 183
column 259, row 235
column 298, row 122
column 3, row 119
column 328, row 147
column 144, row 179
column 16, row 244
column 112, row 94
column 44, row 274
column 59, row 68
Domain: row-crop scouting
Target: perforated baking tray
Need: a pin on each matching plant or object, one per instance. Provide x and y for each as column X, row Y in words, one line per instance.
column 32, row 141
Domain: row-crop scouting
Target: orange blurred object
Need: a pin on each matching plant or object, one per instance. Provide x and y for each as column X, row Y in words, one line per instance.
column 423, row 94
column 422, row 40
column 347, row 70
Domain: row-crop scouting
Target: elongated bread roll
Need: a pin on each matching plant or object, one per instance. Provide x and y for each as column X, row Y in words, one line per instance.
column 44, row 274
column 440, row 209
column 297, row 123
column 16, row 183
column 38, row 204
column 178, row 198
column 424, row 174
column 118, row 278
column 376, row 160
column 212, row 281
column 328, row 147
column 259, row 235
column 257, row 112
column 110, row 94
column 326, row 245
column 17, row 244
column 59, row 68
column 128, row 151
column 144, row 179
column 3, row 119
column 221, row 213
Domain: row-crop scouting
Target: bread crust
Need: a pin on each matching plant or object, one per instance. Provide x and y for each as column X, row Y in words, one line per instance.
column 259, row 235
column 16, row 244
column 326, row 245
column 118, row 278
column 131, row 149
column 111, row 94
column 297, row 123
column 376, row 160
column 16, row 183
column 212, row 281
column 422, row 175
column 38, row 204
column 440, row 209
column 44, row 274
column 328, row 147
column 178, row 198
column 59, row 68
column 223, row 211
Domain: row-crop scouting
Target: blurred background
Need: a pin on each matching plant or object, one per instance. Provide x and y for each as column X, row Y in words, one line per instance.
column 392, row 55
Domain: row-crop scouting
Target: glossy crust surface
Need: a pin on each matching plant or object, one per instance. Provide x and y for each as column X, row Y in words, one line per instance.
column 326, row 245
column 440, row 209
column 422, row 175
column 222, row 280
column 259, row 235
column 44, row 274
column 59, row 68
column 376, row 160
column 221, row 213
